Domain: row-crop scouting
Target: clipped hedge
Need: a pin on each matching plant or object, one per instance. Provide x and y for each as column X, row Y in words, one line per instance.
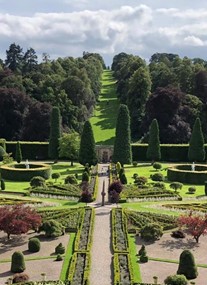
column 18, row 172
column 79, row 269
column 30, row 150
column 123, row 273
column 184, row 174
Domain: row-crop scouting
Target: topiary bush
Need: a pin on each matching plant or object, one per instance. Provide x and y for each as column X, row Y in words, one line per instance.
column 134, row 163
column 191, row 190
column 3, row 186
column 160, row 185
column 157, row 177
column 34, row 245
column 59, row 257
column 60, row 249
column 52, row 228
column 187, row 265
column 142, row 249
column 176, row 280
column 151, row 232
column 20, row 277
column 157, row 165
column 85, row 176
column 55, row 176
column 70, row 179
column 17, row 262
column 141, row 180
column 37, row 181
column 176, row 186
column 123, row 178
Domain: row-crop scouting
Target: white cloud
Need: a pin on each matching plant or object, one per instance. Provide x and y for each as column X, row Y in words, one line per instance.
column 193, row 41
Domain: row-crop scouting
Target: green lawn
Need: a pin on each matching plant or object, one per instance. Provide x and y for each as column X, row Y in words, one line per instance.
column 104, row 119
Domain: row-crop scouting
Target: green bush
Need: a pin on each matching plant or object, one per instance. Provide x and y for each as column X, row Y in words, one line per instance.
column 160, row 185
column 123, row 178
column 60, row 249
column 3, row 186
column 157, row 165
column 59, row 257
column 142, row 249
column 17, row 262
column 157, row 177
column 143, row 258
column 134, row 163
column 176, row 280
column 141, row 180
column 55, row 176
column 187, row 265
column 37, row 181
column 192, row 189
column 34, row 245
column 176, row 185
column 52, row 228
column 71, row 179
column 85, row 176
column 151, row 232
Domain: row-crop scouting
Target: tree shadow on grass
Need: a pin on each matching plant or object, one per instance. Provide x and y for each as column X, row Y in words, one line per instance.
column 14, row 241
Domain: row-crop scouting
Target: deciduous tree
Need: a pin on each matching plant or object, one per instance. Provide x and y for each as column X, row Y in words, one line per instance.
column 18, row 219
column 69, row 145
column 55, row 124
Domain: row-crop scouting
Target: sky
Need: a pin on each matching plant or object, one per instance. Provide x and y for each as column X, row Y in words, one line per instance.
column 64, row 28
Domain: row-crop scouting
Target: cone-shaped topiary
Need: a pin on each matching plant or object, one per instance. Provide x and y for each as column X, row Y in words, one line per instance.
column 34, row 245
column 60, row 249
column 142, row 249
column 187, row 265
column 17, row 262
column 196, row 151
column 153, row 150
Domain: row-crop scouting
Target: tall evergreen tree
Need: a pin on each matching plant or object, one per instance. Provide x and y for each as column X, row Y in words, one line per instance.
column 187, row 265
column 122, row 145
column 18, row 153
column 87, row 152
column 55, row 132
column 196, row 150
column 153, row 150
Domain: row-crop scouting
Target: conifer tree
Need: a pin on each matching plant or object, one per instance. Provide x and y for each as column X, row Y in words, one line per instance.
column 153, row 150
column 122, row 145
column 187, row 265
column 55, row 132
column 87, row 152
column 196, row 150
column 18, row 153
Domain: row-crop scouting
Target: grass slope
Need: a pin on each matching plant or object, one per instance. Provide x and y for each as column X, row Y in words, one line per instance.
column 104, row 119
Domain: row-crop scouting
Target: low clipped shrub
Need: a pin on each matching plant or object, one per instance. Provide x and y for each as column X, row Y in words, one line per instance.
column 3, row 186
column 191, row 190
column 141, row 180
column 71, row 179
column 20, row 277
column 59, row 257
column 176, row 280
column 55, row 176
column 176, row 186
column 123, row 178
column 37, row 181
column 134, row 163
column 135, row 175
column 151, row 232
column 157, row 165
column 60, row 249
column 178, row 234
column 52, row 228
column 2, row 152
column 86, row 196
column 143, row 258
column 34, row 245
column 157, row 177
column 17, row 262
column 85, row 176
column 142, row 249
column 160, row 185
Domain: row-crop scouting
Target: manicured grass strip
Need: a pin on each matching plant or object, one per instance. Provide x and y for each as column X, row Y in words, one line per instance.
column 173, row 261
column 133, row 257
column 31, row 258
column 68, row 255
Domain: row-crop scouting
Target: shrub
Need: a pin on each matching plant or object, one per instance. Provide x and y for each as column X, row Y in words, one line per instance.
column 151, row 232
column 142, row 249
column 176, row 185
column 157, row 177
column 70, row 179
column 86, row 196
column 52, row 228
column 20, row 277
column 34, row 245
column 85, row 176
column 141, row 180
column 118, row 166
column 143, row 258
column 55, row 176
column 37, row 181
column 160, row 185
column 123, row 178
column 135, row 175
column 116, row 185
column 192, row 190
column 176, row 280
column 59, row 257
column 134, row 163
column 2, row 152
column 187, row 265
column 3, row 186
column 60, row 249
column 17, row 262
column 157, row 165
column 178, row 234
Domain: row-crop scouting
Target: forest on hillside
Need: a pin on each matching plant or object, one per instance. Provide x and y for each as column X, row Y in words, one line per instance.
column 169, row 88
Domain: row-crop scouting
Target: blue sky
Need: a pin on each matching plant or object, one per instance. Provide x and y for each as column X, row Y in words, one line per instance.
column 68, row 27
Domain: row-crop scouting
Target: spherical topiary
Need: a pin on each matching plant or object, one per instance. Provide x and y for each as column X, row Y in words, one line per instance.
column 151, row 232
column 157, row 165
column 20, row 277
column 55, row 176
column 59, row 257
column 176, row 280
column 60, row 249
column 34, row 245
column 140, row 180
column 187, row 265
column 17, row 262
column 191, row 190
column 70, row 179
column 157, row 177
column 37, row 181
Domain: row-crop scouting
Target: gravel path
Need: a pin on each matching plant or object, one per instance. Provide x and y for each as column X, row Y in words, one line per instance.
column 101, row 254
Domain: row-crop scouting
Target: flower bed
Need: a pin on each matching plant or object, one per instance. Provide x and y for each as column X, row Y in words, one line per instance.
column 122, row 269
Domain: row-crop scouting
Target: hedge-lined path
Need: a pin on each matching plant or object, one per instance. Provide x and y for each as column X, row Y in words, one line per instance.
column 101, row 253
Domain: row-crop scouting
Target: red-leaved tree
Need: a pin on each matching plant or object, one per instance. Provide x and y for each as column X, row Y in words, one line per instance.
column 196, row 225
column 18, row 219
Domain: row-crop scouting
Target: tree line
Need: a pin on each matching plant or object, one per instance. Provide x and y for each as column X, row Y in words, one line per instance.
column 171, row 89
column 29, row 90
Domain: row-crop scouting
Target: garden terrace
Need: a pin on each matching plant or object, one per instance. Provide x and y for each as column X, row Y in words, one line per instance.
column 119, row 233
column 184, row 174
column 12, row 201
column 195, row 207
column 19, row 172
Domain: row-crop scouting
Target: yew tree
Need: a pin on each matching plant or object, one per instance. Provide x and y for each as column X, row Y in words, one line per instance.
column 18, row 219
column 196, row 225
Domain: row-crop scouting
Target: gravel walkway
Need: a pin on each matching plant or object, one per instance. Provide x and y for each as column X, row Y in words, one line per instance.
column 101, row 253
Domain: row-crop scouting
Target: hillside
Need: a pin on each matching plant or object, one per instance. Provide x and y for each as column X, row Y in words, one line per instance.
column 104, row 118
